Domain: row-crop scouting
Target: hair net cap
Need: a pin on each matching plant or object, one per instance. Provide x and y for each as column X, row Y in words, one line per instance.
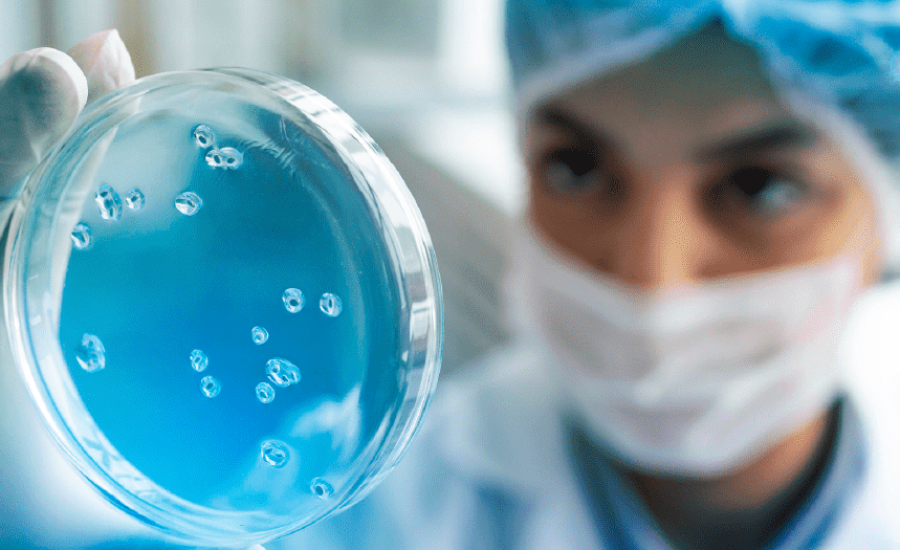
column 823, row 56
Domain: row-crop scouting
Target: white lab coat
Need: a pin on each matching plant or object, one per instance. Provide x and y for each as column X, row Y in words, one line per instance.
column 490, row 470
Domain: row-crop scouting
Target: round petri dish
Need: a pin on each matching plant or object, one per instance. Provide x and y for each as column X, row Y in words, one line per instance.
column 225, row 302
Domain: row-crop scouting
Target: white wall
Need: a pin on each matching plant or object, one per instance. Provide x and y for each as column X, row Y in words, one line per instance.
column 19, row 26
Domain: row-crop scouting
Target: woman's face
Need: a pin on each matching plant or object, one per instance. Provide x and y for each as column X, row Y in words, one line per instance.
column 687, row 167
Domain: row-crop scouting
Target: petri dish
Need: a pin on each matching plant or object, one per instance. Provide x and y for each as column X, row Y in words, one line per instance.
column 225, row 303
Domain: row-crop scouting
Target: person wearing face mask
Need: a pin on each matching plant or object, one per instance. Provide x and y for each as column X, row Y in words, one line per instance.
column 712, row 209
column 712, row 213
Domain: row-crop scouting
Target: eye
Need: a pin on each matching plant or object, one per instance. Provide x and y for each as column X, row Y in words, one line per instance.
column 765, row 191
column 572, row 172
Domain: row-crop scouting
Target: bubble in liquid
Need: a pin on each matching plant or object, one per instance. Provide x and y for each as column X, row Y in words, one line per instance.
column 265, row 392
column 204, row 136
column 210, row 386
column 81, row 236
column 293, row 300
column 321, row 488
column 109, row 202
column 199, row 360
column 260, row 335
column 188, row 203
column 232, row 159
column 331, row 305
column 135, row 199
column 282, row 372
column 275, row 453
column 214, row 158
column 91, row 354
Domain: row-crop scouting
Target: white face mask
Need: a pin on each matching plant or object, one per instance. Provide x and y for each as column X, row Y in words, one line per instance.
column 691, row 381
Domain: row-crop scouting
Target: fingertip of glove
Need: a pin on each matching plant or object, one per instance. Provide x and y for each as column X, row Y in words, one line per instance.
column 105, row 61
column 48, row 70
column 42, row 91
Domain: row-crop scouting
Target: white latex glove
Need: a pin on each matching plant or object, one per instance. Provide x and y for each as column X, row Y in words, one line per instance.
column 43, row 90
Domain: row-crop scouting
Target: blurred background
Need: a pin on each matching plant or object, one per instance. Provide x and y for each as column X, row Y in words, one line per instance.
column 426, row 78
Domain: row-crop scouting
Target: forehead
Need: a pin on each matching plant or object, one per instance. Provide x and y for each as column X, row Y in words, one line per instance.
column 705, row 87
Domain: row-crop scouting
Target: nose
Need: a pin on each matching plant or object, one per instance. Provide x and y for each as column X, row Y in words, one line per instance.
column 662, row 239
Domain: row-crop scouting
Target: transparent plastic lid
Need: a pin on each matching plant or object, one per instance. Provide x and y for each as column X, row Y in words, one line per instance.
column 225, row 303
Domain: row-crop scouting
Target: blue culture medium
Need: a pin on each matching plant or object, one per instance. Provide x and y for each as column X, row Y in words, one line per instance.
column 284, row 205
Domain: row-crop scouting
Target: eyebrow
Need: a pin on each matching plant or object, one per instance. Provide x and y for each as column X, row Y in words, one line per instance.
column 769, row 136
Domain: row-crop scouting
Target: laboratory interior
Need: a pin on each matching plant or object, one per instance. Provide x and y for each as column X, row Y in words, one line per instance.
column 561, row 371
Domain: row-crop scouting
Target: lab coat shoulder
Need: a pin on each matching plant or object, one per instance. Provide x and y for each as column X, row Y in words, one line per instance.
column 491, row 469
column 872, row 360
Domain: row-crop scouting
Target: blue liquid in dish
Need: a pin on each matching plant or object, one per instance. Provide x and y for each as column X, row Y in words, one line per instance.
column 158, row 284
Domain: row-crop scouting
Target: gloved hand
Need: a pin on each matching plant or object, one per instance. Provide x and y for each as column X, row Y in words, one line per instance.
column 43, row 90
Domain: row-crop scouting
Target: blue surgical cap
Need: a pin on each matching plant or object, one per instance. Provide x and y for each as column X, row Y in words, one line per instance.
column 838, row 56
